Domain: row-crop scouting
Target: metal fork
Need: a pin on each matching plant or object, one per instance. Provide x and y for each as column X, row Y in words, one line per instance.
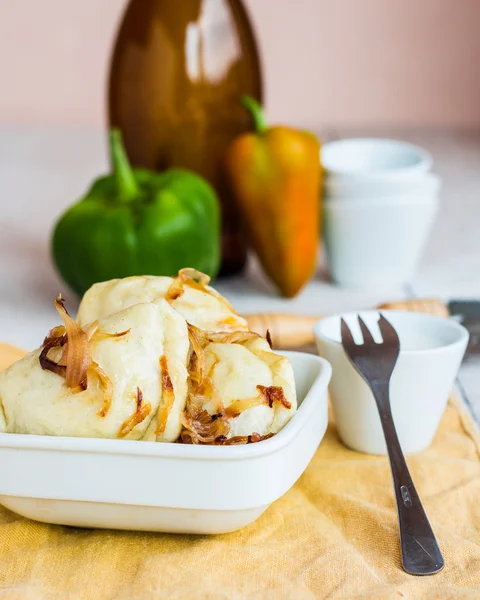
column 375, row 362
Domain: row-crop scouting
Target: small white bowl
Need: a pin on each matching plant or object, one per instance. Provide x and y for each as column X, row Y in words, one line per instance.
column 376, row 243
column 148, row 486
column 370, row 155
column 432, row 349
column 374, row 186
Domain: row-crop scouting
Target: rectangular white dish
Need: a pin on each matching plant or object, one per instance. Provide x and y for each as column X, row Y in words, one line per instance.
column 148, row 486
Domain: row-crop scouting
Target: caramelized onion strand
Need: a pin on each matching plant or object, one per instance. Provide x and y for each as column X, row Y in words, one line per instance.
column 142, row 411
column 78, row 353
column 197, row 350
column 272, row 394
column 106, row 386
column 45, row 362
column 168, row 397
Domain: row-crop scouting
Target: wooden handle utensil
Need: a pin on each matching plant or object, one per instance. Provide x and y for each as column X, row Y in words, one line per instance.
column 286, row 330
column 293, row 331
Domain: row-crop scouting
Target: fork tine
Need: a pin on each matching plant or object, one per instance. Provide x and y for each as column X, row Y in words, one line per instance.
column 367, row 336
column 388, row 331
column 347, row 337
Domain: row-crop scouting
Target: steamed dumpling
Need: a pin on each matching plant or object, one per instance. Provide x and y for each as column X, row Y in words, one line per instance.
column 282, row 377
column 242, row 372
column 205, row 308
column 151, row 358
column 146, row 368
column 247, row 389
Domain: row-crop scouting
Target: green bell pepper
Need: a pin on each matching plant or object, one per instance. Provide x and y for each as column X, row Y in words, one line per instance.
column 137, row 222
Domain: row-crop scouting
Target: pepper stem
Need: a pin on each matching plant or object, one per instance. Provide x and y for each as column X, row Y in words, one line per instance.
column 256, row 111
column 122, row 170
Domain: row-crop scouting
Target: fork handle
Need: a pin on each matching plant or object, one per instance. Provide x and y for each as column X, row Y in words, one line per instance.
column 420, row 552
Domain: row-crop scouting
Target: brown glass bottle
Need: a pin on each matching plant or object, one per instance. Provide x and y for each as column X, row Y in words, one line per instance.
column 177, row 71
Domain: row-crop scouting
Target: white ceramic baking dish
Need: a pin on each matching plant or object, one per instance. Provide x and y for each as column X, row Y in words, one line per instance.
column 164, row 487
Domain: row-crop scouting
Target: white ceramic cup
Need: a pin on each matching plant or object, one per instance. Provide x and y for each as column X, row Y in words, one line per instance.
column 431, row 350
column 377, row 185
column 383, row 157
column 376, row 243
column 380, row 203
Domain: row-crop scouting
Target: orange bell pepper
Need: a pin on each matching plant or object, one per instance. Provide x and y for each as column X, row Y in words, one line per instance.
column 275, row 175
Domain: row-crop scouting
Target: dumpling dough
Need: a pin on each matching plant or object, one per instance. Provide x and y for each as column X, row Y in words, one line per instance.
column 236, row 370
column 206, row 311
column 36, row 401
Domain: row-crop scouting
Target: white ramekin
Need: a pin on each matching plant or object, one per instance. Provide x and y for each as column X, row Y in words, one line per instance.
column 432, row 349
column 374, row 156
column 375, row 186
column 377, row 243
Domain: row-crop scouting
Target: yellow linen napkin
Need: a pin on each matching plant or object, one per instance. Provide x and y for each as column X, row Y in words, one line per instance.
column 333, row 535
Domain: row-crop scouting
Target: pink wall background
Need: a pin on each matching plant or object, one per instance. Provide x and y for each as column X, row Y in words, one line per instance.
column 326, row 62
